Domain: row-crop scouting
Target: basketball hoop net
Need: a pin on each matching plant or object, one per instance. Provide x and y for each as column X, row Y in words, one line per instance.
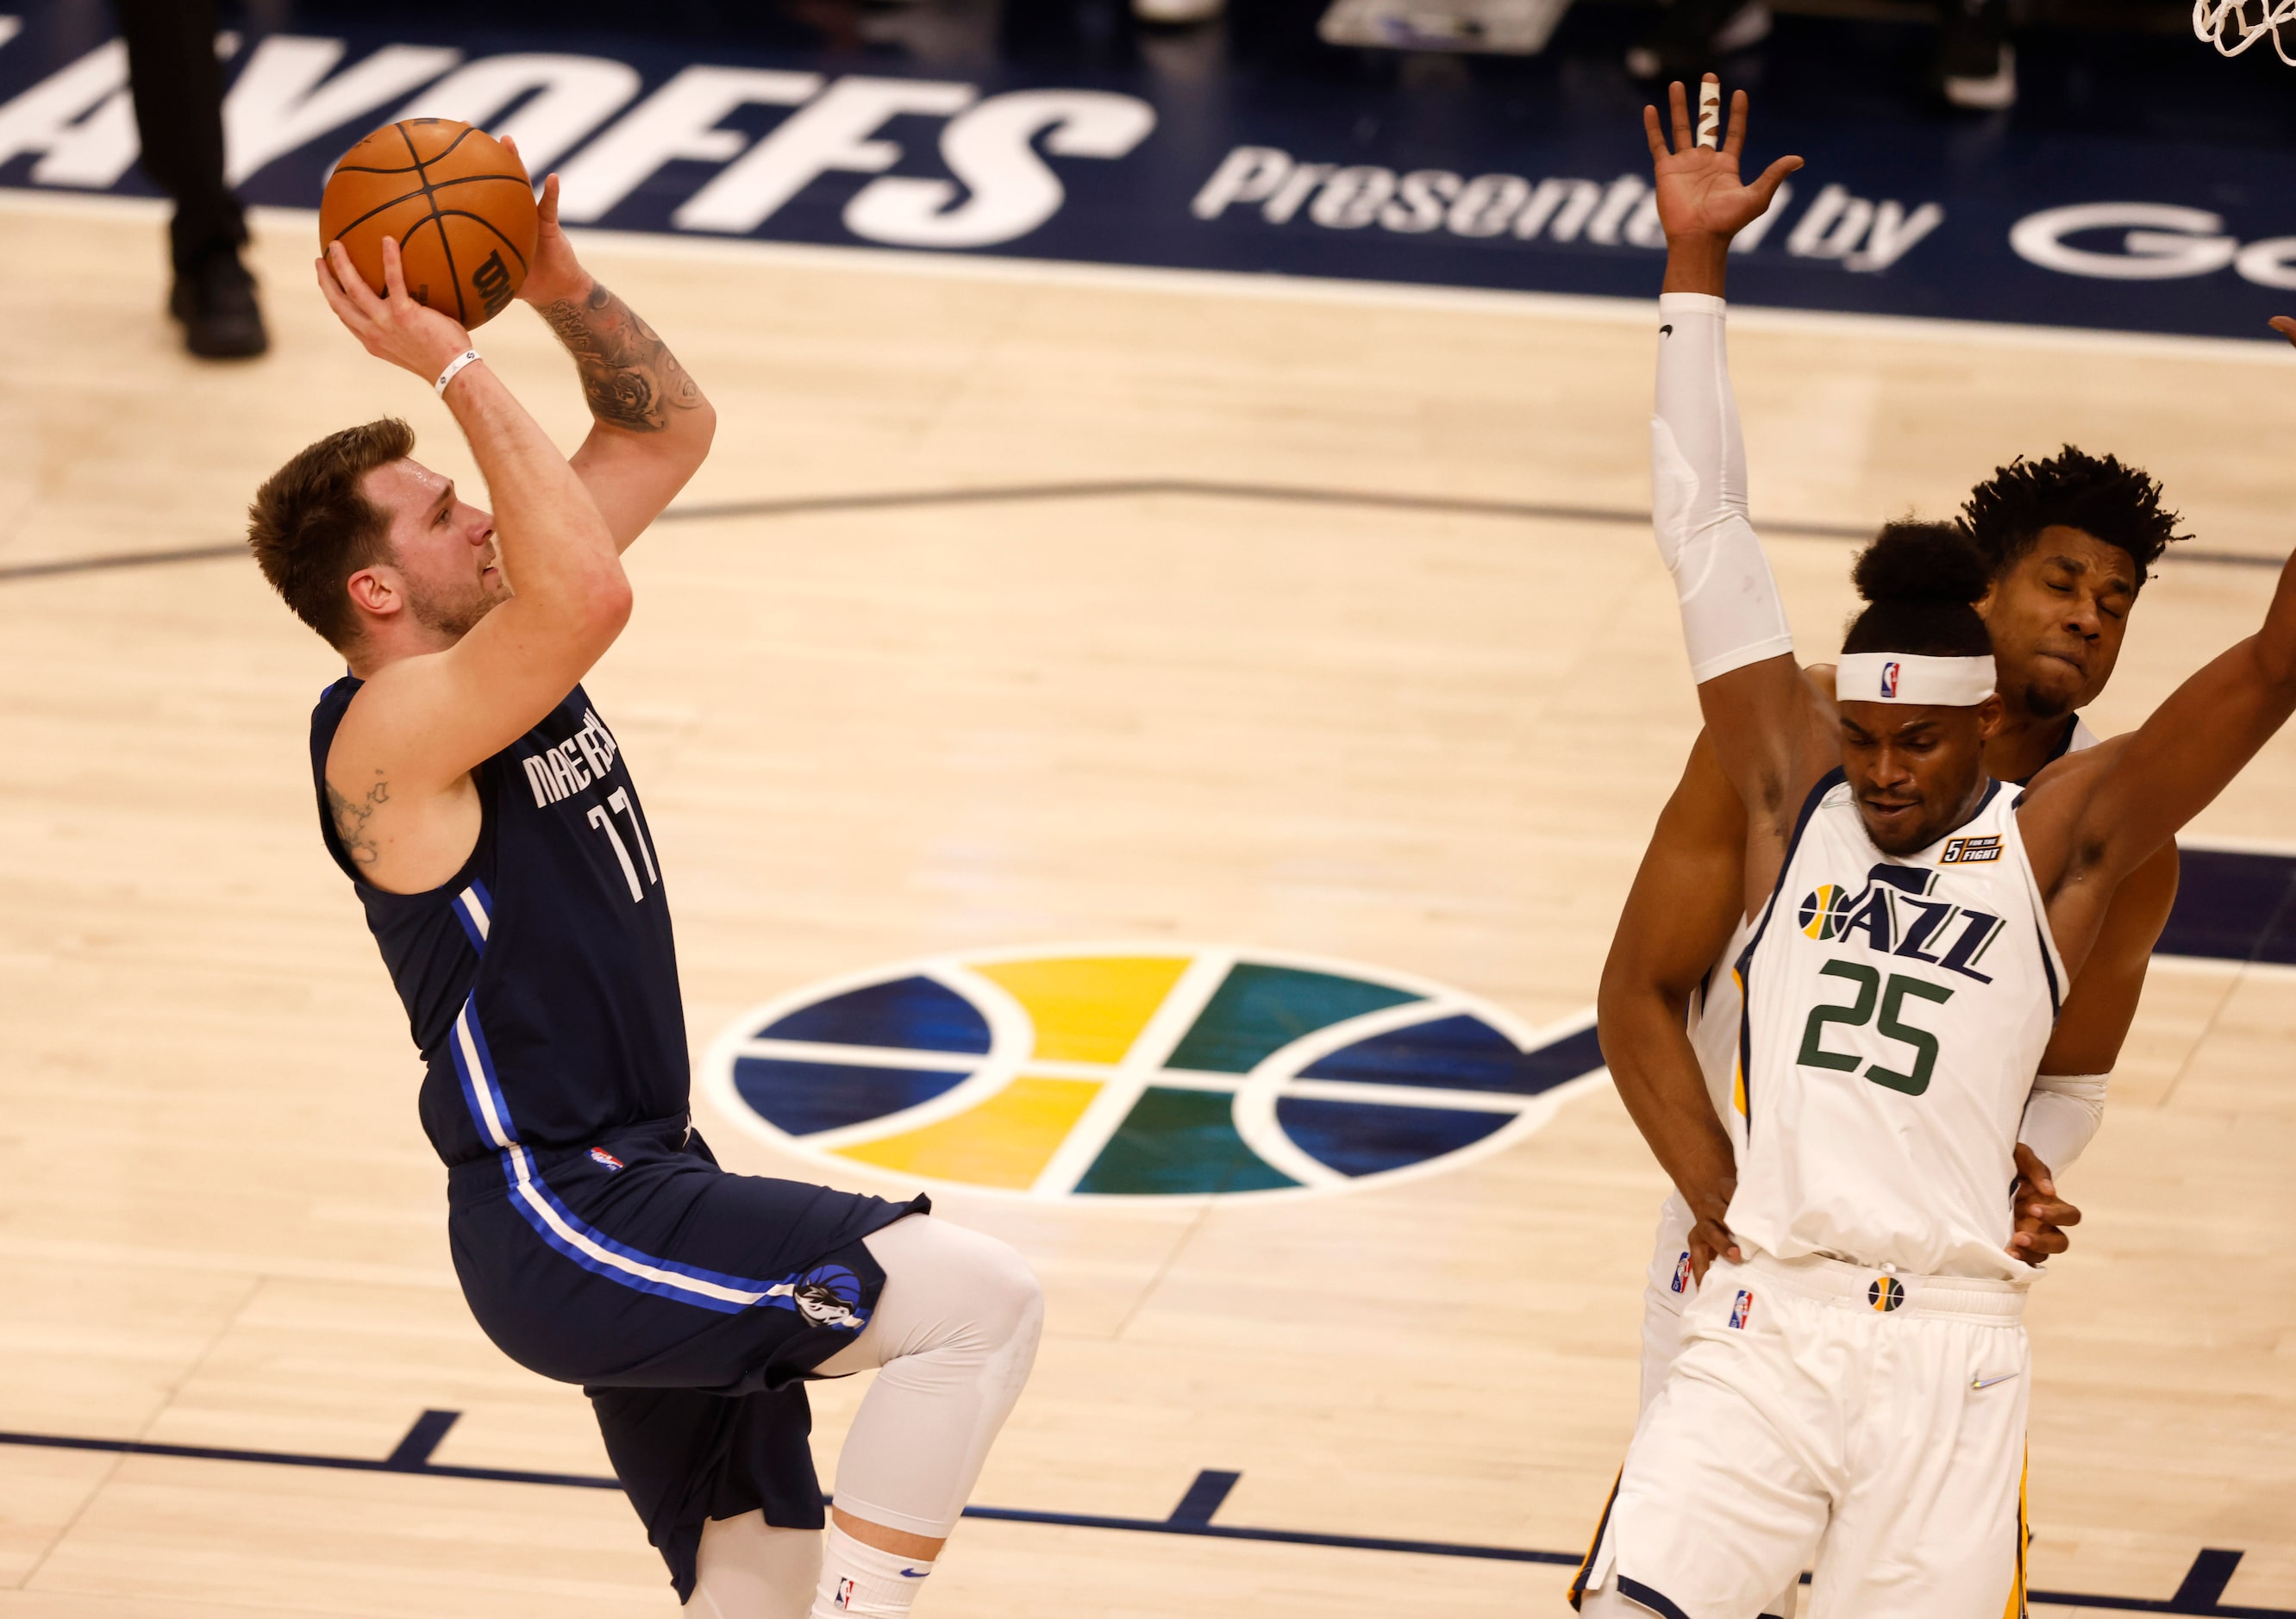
column 2232, row 26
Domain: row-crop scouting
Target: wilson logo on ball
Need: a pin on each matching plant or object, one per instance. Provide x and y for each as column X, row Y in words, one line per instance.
column 492, row 283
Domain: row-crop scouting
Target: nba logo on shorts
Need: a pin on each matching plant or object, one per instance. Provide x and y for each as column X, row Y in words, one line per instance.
column 1890, row 678
column 1682, row 1274
column 844, row 1593
column 1742, row 1307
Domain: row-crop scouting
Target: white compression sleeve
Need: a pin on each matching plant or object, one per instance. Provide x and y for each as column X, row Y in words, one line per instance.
column 2061, row 1117
column 1731, row 612
column 953, row 1334
column 748, row 1569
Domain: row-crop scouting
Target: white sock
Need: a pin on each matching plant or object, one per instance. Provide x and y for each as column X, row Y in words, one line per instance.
column 861, row 1580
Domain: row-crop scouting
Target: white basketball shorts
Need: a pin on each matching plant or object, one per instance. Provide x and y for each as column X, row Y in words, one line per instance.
column 1667, row 1294
column 1822, row 1415
column 1668, row 1291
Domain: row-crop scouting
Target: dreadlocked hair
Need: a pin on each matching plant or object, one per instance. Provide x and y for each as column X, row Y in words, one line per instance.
column 1920, row 580
column 2098, row 495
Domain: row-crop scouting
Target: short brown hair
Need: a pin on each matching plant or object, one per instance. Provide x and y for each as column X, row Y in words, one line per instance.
column 311, row 526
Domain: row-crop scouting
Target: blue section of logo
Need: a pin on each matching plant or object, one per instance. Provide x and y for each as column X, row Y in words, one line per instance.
column 1460, row 1053
column 805, row 1097
column 1358, row 1140
column 914, row 1014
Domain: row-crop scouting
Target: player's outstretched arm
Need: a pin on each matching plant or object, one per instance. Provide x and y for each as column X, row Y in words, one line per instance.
column 422, row 722
column 2088, row 829
column 651, row 427
column 1763, row 717
column 1685, row 900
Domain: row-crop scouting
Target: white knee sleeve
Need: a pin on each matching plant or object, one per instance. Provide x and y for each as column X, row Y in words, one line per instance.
column 953, row 1335
column 748, row 1569
column 1732, row 615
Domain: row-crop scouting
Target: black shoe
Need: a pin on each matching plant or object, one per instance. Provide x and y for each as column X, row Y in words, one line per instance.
column 1691, row 36
column 215, row 300
column 1977, row 67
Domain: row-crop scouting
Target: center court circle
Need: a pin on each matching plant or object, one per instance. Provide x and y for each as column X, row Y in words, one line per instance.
column 1127, row 1071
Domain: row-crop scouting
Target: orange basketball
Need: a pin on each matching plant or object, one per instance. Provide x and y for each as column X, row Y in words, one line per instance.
column 457, row 199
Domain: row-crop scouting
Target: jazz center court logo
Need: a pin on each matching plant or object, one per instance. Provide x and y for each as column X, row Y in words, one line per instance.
column 1143, row 1071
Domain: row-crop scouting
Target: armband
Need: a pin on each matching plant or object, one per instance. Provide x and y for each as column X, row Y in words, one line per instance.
column 1732, row 614
column 2061, row 1117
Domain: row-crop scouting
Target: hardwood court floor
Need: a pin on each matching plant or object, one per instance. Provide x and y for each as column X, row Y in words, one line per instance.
column 1425, row 739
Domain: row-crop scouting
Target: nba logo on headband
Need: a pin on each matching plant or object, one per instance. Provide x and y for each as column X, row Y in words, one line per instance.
column 1912, row 677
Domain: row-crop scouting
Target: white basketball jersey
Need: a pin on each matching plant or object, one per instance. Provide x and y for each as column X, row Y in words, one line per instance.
column 1895, row 1012
column 1713, row 1021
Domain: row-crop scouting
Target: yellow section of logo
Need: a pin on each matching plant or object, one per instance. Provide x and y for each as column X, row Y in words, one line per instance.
column 1087, row 1009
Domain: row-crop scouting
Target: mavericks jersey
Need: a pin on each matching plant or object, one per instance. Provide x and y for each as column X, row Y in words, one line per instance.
column 1895, row 1011
column 540, row 982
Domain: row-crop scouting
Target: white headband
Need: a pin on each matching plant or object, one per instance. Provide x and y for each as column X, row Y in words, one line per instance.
column 1907, row 677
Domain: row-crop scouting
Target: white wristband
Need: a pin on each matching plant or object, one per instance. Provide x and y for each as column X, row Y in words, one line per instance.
column 454, row 369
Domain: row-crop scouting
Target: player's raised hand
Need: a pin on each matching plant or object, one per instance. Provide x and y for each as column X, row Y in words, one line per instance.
column 394, row 327
column 555, row 276
column 1700, row 192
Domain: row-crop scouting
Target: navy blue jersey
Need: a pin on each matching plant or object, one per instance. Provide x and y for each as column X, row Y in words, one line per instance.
column 540, row 982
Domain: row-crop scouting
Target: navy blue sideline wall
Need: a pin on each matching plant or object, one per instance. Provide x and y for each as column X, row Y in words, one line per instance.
column 2145, row 185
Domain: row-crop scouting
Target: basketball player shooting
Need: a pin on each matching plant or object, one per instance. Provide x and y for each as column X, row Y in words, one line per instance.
column 486, row 815
column 1853, row 1379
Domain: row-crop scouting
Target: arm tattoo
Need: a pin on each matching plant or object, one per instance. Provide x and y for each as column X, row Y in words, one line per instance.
column 629, row 375
column 352, row 816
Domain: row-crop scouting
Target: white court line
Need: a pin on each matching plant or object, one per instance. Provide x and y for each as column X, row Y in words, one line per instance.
column 861, row 1056
column 1255, row 1104
column 1097, row 1125
column 1406, row 1096
column 1233, row 285
column 1175, row 1079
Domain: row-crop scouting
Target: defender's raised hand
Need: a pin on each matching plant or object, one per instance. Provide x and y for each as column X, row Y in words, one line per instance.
column 1699, row 193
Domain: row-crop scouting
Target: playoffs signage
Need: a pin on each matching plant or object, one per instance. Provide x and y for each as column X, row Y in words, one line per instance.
column 1126, row 168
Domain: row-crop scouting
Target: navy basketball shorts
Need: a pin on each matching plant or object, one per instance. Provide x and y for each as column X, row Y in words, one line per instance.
column 689, row 1303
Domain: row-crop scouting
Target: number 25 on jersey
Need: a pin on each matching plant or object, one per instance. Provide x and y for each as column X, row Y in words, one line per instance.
column 1887, row 998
